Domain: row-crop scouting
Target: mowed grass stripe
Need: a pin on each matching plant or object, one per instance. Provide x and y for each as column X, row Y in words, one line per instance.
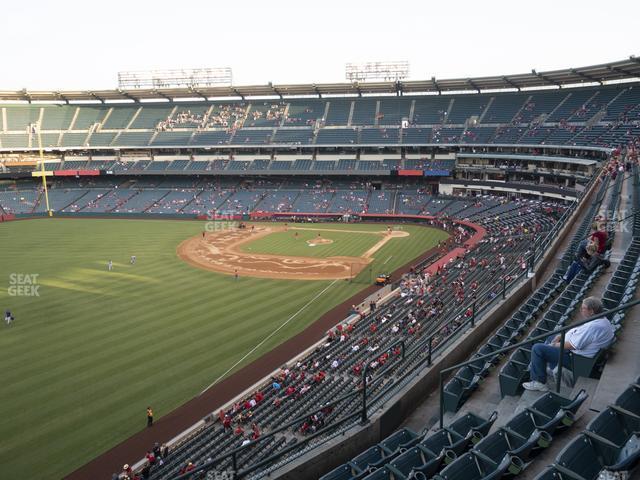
column 115, row 350
column 232, row 292
column 84, row 359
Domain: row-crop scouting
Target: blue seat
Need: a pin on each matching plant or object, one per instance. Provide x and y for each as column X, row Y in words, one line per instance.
column 343, row 472
column 558, row 409
column 385, row 473
column 375, row 456
column 588, row 455
column 443, row 441
column 614, row 425
column 503, row 442
column 471, row 425
column 630, row 399
column 418, row 459
column 474, row 466
column 523, row 424
column 552, row 473
column 400, row 441
column 455, row 393
column 589, row 367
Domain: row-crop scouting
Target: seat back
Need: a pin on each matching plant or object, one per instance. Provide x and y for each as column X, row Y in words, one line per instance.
column 581, row 457
column 613, row 426
column 630, row 399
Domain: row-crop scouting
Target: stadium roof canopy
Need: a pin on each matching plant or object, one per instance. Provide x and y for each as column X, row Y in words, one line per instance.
column 624, row 70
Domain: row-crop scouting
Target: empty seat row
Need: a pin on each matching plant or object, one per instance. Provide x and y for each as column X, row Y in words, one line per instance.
column 510, row 448
column 609, row 443
column 405, row 453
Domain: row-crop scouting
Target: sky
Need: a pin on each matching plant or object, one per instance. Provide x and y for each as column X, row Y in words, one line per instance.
column 80, row 45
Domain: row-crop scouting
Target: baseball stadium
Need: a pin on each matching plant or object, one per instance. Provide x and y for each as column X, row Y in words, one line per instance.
column 406, row 279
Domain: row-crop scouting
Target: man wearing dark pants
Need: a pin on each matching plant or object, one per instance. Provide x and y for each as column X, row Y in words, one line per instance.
column 585, row 340
column 149, row 417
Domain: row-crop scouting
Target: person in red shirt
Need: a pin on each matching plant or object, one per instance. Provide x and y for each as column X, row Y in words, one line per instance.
column 226, row 423
column 600, row 237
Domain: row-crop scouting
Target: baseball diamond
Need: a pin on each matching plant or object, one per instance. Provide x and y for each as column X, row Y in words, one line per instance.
column 230, row 251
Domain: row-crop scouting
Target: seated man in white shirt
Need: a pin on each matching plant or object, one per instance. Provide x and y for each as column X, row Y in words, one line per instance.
column 585, row 340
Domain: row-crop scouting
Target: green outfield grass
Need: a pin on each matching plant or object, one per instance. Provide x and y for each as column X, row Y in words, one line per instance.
column 345, row 243
column 84, row 358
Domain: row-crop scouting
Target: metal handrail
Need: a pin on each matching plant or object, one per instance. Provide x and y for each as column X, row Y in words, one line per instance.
column 559, row 331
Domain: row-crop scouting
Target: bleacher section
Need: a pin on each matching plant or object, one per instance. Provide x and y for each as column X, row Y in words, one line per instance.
column 550, row 117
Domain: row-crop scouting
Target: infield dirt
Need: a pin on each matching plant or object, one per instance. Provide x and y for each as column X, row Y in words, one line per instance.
column 220, row 251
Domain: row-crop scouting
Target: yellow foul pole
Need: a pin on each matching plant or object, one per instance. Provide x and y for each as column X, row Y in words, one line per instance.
column 44, row 179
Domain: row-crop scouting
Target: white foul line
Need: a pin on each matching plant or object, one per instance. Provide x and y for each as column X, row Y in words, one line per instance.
column 385, row 262
column 269, row 336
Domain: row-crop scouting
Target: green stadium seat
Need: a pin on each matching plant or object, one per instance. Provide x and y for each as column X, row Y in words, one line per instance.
column 630, row 399
column 418, row 459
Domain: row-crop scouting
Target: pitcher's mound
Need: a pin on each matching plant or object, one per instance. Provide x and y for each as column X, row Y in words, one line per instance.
column 319, row 241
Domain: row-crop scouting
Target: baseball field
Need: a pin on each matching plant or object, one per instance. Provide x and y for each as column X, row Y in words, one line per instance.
column 90, row 348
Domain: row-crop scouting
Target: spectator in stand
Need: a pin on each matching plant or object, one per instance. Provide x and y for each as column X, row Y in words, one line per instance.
column 591, row 259
column 582, row 260
column 585, row 340
column 127, row 471
column 226, row 422
column 146, row 470
column 600, row 237
column 164, row 451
